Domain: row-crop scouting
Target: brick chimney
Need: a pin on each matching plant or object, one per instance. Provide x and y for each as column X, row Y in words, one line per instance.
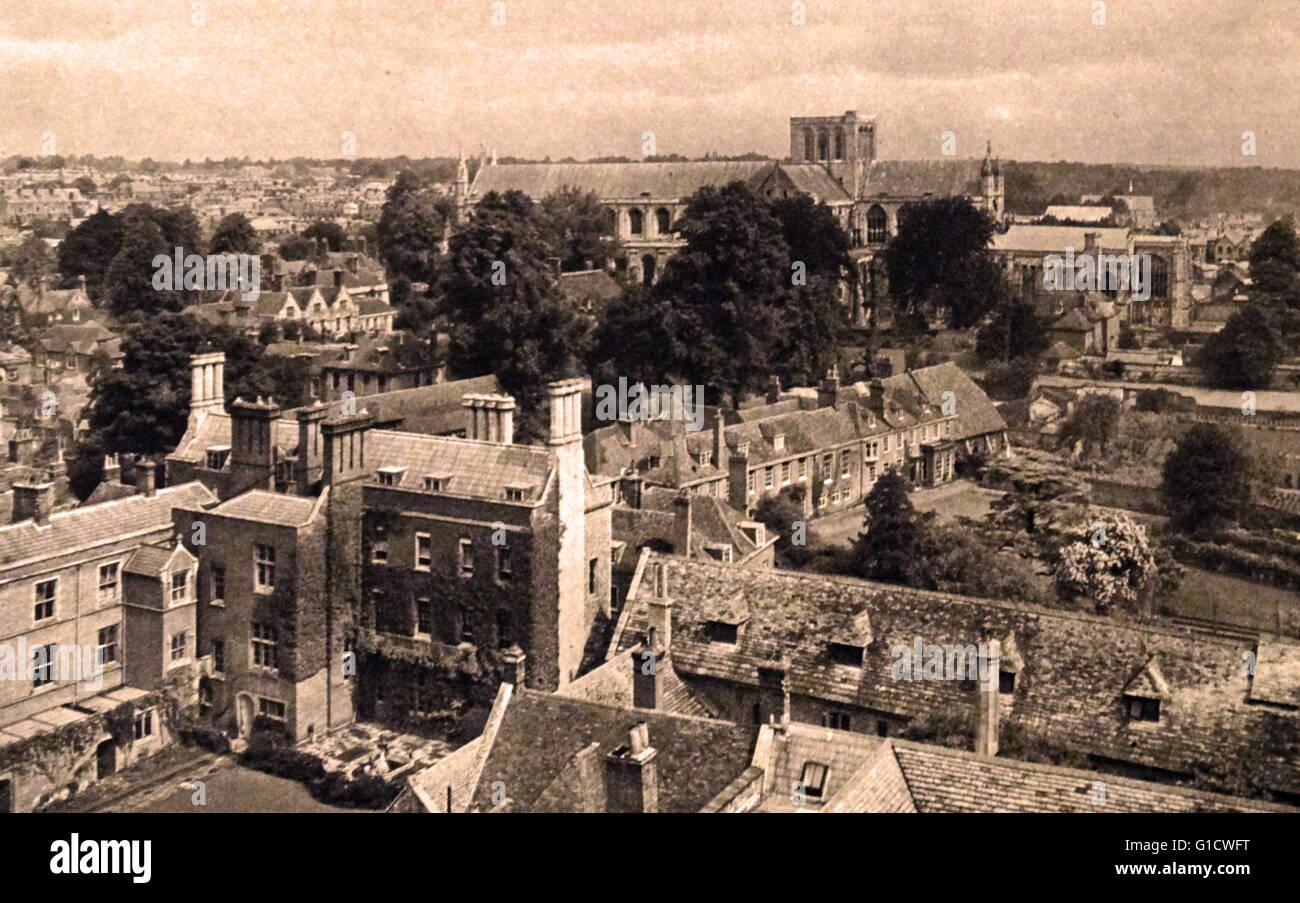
column 738, row 476
column 682, row 524
column 986, row 711
column 828, row 389
column 1090, row 242
column 876, row 397
column 661, row 607
column 773, row 389
column 632, row 775
column 490, row 418
column 719, row 440
column 633, row 489
column 564, row 442
column 345, row 446
column 112, row 469
column 207, row 383
column 33, row 501
column 307, row 469
column 146, row 478
column 591, row 784
column 252, row 456
column 514, row 665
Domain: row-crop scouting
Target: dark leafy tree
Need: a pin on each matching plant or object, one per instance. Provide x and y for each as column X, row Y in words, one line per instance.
column 30, row 261
column 332, row 233
column 89, row 249
column 129, row 281
column 891, row 547
column 1012, row 331
column 579, row 229
column 940, row 259
column 296, row 248
column 410, row 228
column 1244, row 353
column 506, row 312
column 235, row 235
column 1093, row 424
column 1206, row 480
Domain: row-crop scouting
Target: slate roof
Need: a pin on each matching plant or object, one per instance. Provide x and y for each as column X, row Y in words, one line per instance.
column 269, row 508
column 93, row 525
column 915, row 178
column 611, row 684
column 541, row 733
column 976, row 414
column 1055, row 239
column 1069, row 690
column 662, row 181
column 149, row 561
column 481, row 469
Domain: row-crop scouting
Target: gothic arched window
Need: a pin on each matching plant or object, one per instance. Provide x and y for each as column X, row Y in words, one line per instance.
column 1159, row 278
column 877, row 225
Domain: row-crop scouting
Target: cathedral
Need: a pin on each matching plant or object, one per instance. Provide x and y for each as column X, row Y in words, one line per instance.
column 832, row 159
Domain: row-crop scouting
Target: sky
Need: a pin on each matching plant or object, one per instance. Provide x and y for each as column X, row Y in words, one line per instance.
column 1123, row 81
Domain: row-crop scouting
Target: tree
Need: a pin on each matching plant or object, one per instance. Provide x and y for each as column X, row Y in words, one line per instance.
column 235, row 235
column 727, row 288
column 129, row 281
column 332, row 233
column 1093, row 423
column 891, row 546
column 1206, row 481
column 296, row 248
column 89, row 249
column 506, row 312
column 1244, row 353
column 30, row 261
column 410, row 228
column 1013, row 331
column 783, row 515
column 86, row 185
column 940, row 259
column 1107, row 561
column 579, row 229
column 813, row 310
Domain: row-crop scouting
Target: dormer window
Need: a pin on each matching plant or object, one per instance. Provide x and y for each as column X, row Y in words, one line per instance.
column 515, row 493
column 436, row 484
column 719, row 551
column 1142, row 709
column 845, row 654
column 719, row 632
column 1006, row 682
column 390, row 476
column 217, row 455
column 812, row 780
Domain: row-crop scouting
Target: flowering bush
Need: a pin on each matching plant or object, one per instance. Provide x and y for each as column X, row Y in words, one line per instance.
column 1110, row 562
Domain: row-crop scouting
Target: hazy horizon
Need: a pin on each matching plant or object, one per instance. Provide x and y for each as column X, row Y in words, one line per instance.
column 276, row 79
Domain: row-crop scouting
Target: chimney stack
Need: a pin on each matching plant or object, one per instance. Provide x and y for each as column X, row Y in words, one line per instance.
column 682, row 525
column 305, row 473
column 33, row 501
column 207, row 383
column 828, row 389
column 1090, row 242
column 661, row 607
column 490, row 418
column 252, row 430
column 632, row 775
column 986, row 713
column 112, row 469
column 514, row 665
column 719, row 440
column 345, row 446
column 146, row 479
column 876, row 397
column 773, row 389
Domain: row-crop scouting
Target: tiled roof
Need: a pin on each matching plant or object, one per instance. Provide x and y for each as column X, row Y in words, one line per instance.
column 914, row 178
column 611, row 684
column 1068, row 691
column 149, row 561
column 976, row 414
column 96, row 524
column 268, row 508
column 951, row 780
column 542, row 733
column 662, row 181
column 1055, row 239
column 481, row 469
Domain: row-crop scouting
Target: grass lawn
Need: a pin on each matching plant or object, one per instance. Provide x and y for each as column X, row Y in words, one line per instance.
column 1231, row 600
column 230, row 788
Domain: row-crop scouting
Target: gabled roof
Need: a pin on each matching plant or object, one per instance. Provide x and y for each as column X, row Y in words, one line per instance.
column 1148, row 683
column 1076, row 668
column 269, row 508
column 481, row 469
column 916, row 178
column 976, row 414
column 660, row 181
column 94, row 525
column 155, row 560
column 1055, row 239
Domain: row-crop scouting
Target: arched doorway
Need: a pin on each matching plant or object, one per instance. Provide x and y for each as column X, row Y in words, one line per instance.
column 244, row 714
column 105, row 759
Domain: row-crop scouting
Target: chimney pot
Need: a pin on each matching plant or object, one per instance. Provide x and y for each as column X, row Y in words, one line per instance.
column 146, row 481
column 33, row 501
